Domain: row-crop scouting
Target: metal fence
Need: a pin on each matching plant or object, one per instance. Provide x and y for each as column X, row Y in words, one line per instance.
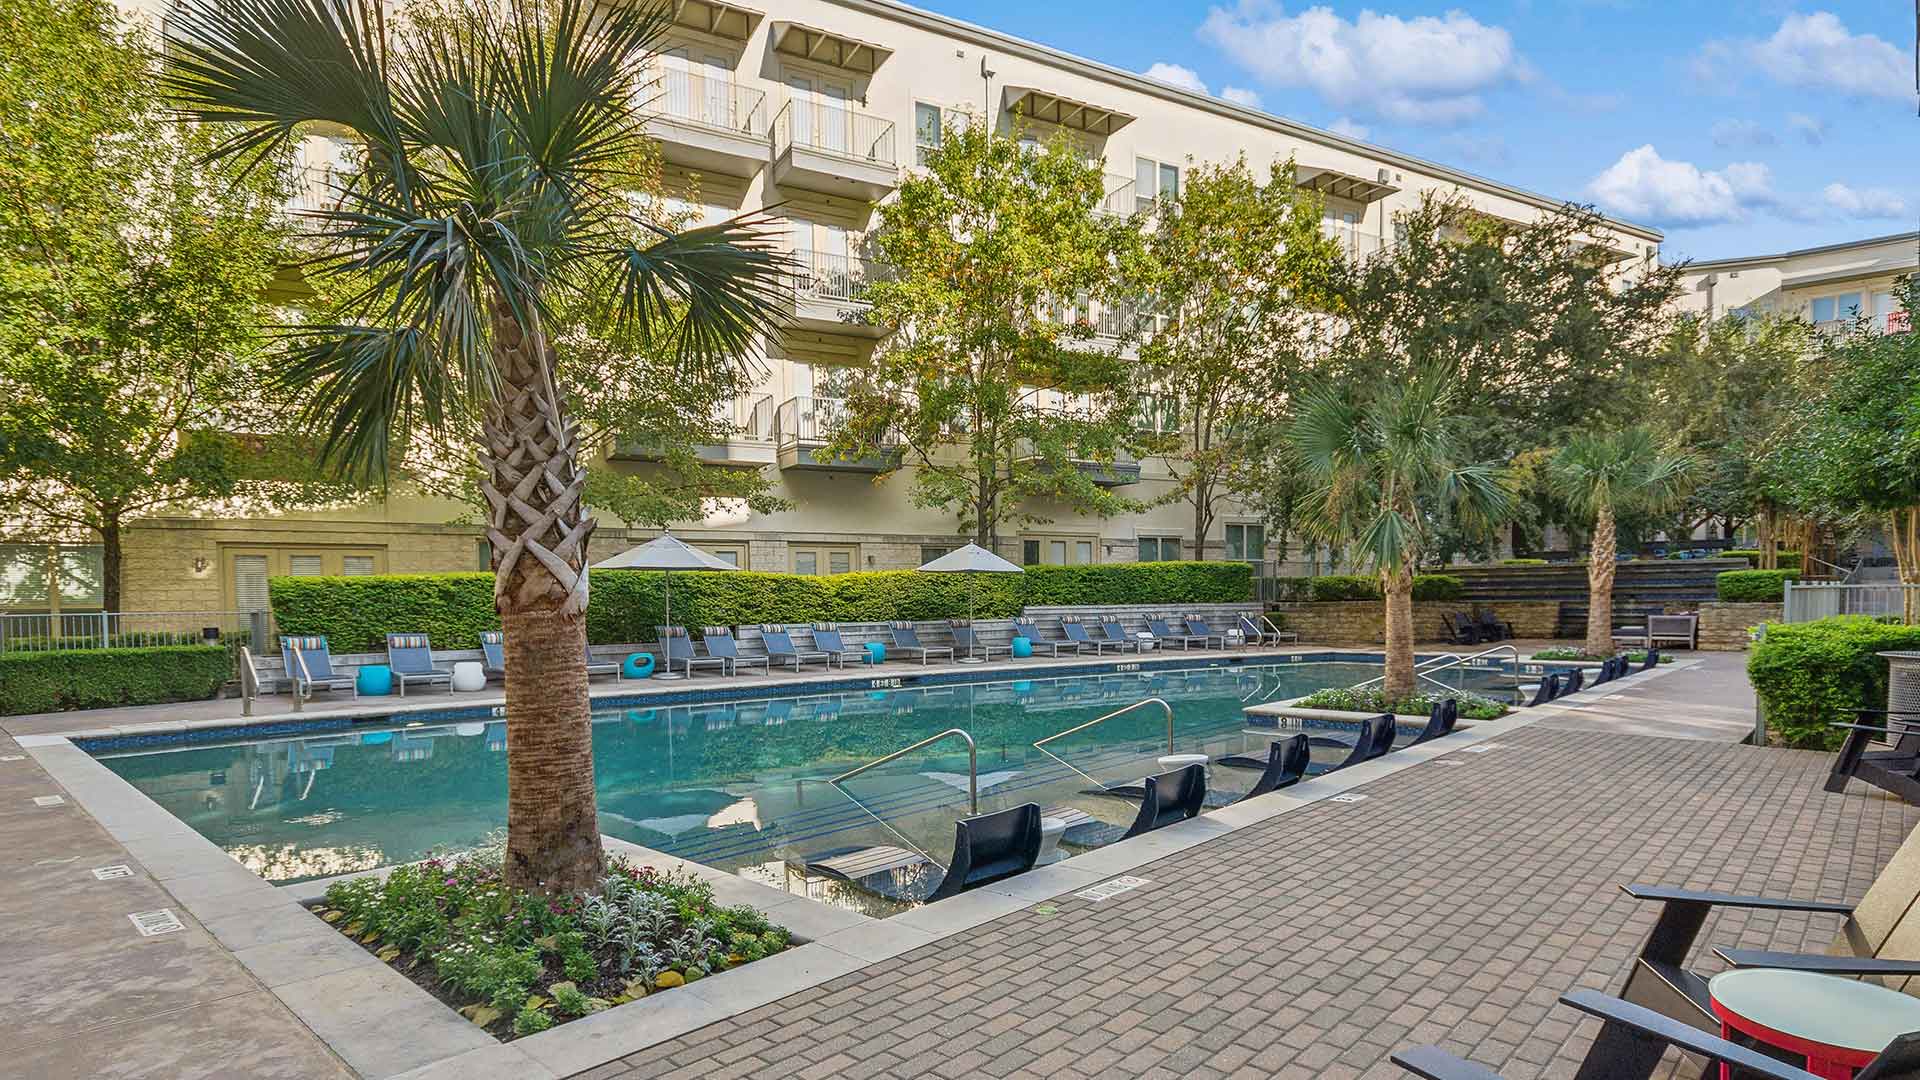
column 1807, row 601
column 133, row 629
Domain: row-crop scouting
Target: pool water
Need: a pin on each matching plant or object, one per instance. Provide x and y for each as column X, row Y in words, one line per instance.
column 740, row 785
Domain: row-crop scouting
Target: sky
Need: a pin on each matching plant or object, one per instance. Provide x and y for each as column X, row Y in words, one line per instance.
column 1737, row 128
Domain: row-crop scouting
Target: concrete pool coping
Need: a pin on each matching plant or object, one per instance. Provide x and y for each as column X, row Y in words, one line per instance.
column 383, row 1024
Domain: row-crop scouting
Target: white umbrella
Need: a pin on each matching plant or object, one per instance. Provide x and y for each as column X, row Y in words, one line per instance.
column 666, row 554
column 972, row 559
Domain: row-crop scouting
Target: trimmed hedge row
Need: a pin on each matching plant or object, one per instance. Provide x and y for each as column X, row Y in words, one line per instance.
column 1752, row 555
column 37, row 682
column 1367, row 587
column 1753, row 586
column 1810, row 674
column 355, row 613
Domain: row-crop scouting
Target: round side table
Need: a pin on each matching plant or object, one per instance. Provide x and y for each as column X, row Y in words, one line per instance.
column 1838, row 1025
column 876, row 652
column 469, row 676
column 637, row 666
column 1021, row 647
column 373, row 680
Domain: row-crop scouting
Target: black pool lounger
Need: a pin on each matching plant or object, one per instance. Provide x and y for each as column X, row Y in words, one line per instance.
column 1286, row 764
column 986, row 848
column 1169, row 798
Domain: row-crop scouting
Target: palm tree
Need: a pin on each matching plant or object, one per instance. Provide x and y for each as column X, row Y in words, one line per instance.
column 1386, row 465
column 1601, row 477
column 495, row 194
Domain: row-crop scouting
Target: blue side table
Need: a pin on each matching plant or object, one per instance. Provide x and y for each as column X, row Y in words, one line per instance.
column 373, row 680
column 1022, row 648
column 638, row 666
column 876, row 653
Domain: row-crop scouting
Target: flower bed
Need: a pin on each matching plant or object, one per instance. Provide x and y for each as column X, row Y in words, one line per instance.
column 516, row 963
column 1567, row 652
column 1472, row 706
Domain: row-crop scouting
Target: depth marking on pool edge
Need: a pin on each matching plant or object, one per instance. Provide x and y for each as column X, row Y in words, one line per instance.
column 155, row 923
column 13, row 757
column 1106, row 890
column 110, row 873
column 1348, row 797
column 49, row 800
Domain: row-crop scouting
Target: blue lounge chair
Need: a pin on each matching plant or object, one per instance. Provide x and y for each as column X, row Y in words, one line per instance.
column 1165, row 633
column 1030, row 630
column 828, row 639
column 677, row 647
column 597, row 666
column 309, row 666
column 1286, row 763
column 908, row 642
column 720, row 643
column 1198, row 627
column 1117, row 634
column 964, row 637
column 780, row 647
column 1077, row 634
column 1170, row 797
column 410, row 657
column 493, row 654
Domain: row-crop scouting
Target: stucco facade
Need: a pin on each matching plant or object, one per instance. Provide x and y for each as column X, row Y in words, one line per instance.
column 1827, row 285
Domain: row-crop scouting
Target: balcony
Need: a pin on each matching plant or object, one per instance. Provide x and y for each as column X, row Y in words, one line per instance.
column 709, row 125
column 1118, row 200
column 825, row 146
column 802, row 427
column 748, row 446
column 1356, row 245
column 829, row 293
column 1124, row 469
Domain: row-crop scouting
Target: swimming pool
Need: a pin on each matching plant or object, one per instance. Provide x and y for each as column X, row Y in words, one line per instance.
column 739, row 785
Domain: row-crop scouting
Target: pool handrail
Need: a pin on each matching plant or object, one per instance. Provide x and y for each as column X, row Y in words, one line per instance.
column 1040, row 745
column 973, row 785
column 1447, row 660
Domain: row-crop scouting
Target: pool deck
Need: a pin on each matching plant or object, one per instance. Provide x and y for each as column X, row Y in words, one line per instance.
column 1306, row 937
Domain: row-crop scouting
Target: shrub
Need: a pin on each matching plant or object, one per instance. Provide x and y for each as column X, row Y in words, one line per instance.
column 1367, row 587
column 355, row 613
column 1574, row 652
column 1472, row 706
column 1807, row 675
column 1753, row 586
column 1438, row 587
column 1752, row 555
column 1523, row 562
column 36, row 682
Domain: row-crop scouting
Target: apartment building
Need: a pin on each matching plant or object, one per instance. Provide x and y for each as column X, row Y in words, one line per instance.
column 821, row 107
column 1830, row 286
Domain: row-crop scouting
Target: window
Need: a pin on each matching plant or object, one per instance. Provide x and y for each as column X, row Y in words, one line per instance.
column 356, row 565
column 1246, row 542
column 483, row 554
column 303, row 565
column 1159, row 548
column 1154, row 180
column 926, row 131
column 250, row 583
column 822, row 560
column 248, row 568
column 1057, row 550
column 930, row 552
column 1030, row 553
column 731, row 554
column 1884, row 305
column 1842, row 306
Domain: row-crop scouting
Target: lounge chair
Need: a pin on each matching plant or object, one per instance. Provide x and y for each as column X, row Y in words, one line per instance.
column 493, row 654
column 1651, row 660
column 1493, row 629
column 1460, row 630
column 677, row 648
column 1374, row 739
column 1571, row 682
column 964, row 637
column 1165, row 634
column 1604, row 673
column 986, row 848
column 1634, row 1040
column 1198, row 627
column 1895, row 770
column 410, row 657
column 1076, row 632
column 597, row 666
column 1170, row 797
column 908, row 642
column 780, row 647
column 1286, row 763
column 1030, row 630
column 720, row 643
column 1441, row 720
column 1875, row 938
column 309, row 666
column 827, row 639
column 1257, row 635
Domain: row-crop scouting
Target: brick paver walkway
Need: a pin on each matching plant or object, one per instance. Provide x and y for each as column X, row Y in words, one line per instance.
column 1454, row 905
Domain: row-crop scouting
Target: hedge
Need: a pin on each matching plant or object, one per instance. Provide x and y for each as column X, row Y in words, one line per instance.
column 1367, row 587
column 1807, row 675
column 355, row 613
column 37, row 682
column 1752, row 555
column 1523, row 562
column 1753, row 586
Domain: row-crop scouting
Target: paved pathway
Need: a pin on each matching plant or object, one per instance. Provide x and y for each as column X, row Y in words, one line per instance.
column 1709, row 698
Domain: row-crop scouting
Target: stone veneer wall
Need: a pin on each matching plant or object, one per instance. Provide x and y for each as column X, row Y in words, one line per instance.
column 1344, row 622
column 1723, row 627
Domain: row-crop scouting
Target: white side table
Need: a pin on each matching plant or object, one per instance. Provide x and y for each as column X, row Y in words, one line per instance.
column 469, row 676
column 1145, row 642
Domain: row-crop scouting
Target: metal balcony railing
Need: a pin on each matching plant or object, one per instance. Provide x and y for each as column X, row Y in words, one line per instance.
column 751, row 417
column 813, row 421
column 721, row 104
column 1118, row 200
column 832, row 128
column 819, row 275
column 315, row 188
column 1357, row 245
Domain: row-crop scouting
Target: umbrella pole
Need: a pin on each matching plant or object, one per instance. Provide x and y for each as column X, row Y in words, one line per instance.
column 972, row 597
column 666, row 643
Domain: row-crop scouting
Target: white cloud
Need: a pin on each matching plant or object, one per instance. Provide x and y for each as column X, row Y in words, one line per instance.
column 1741, row 133
column 1240, row 95
column 1864, row 202
column 1346, row 128
column 1811, row 128
column 1644, row 185
column 1424, row 70
column 1174, row 75
column 1813, row 52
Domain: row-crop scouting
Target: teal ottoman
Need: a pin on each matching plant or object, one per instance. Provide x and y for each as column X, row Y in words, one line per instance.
column 876, row 653
column 638, row 666
column 1022, row 648
column 373, row 680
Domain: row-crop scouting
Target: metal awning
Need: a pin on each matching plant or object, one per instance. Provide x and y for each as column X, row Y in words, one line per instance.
column 1344, row 185
column 827, row 47
column 717, row 17
column 1052, row 108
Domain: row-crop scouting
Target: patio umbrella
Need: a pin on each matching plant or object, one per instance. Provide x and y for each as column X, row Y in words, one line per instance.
column 970, row 560
column 666, row 554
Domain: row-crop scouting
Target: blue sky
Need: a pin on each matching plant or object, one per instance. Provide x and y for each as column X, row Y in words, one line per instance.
column 1738, row 128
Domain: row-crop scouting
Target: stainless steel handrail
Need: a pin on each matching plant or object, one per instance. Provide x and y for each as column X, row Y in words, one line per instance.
column 1041, row 744
column 249, row 682
column 1274, row 627
column 1416, row 670
column 973, row 785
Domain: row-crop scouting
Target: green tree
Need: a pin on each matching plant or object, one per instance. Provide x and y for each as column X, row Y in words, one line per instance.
column 134, row 283
column 1387, row 466
column 1238, row 268
column 1600, row 477
column 990, row 375
column 497, row 152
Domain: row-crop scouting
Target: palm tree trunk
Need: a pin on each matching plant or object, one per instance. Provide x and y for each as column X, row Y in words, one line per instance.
column 539, row 531
column 1397, row 586
column 1600, row 571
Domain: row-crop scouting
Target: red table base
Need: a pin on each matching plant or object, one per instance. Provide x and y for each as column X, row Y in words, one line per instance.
column 1832, row 1062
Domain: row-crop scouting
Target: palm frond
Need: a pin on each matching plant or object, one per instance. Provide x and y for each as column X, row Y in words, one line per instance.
column 363, row 385
column 705, row 293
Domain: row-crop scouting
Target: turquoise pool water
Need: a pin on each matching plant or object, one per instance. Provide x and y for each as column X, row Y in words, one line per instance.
column 737, row 785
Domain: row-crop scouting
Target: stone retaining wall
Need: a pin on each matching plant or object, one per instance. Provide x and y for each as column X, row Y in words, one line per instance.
column 1342, row 622
column 1723, row 627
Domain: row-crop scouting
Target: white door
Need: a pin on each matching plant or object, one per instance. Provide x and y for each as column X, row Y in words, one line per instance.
column 800, row 112
column 834, row 119
column 676, row 84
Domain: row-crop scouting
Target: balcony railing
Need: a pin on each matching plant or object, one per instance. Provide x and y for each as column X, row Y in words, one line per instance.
column 315, row 188
column 831, row 128
column 751, row 416
column 1118, row 200
column 721, row 104
column 1356, row 245
column 813, row 421
column 819, row 275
